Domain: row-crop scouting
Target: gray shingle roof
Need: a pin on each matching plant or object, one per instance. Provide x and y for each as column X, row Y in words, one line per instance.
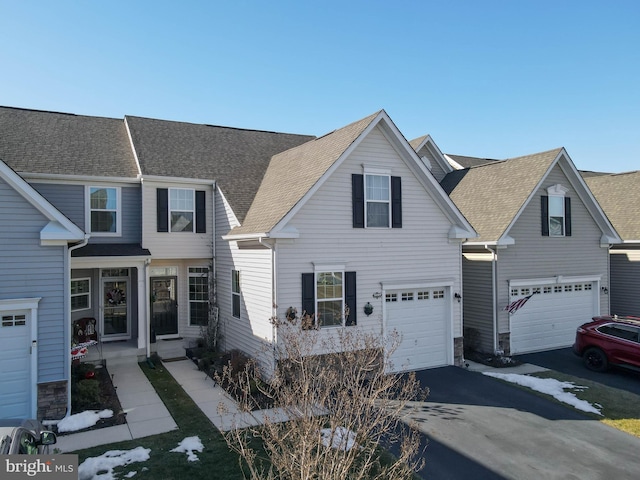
column 491, row 195
column 291, row 175
column 235, row 158
column 33, row 141
column 468, row 162
column 619, row 197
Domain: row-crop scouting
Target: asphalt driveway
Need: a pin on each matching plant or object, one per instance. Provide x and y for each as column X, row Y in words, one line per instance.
column 478, row 427
column 563, row 360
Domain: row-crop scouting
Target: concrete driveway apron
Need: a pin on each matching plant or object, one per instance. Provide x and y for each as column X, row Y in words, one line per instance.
column 480, row 428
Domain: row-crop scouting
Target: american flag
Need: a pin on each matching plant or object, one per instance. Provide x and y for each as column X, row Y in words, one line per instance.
column 516, row 305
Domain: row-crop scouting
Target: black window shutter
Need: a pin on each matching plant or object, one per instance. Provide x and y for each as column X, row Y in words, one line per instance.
column 201, row 212
column 544, row 204
column 162, row 209
column 308, row 294
column 567, row 216
column 357, row 200
column 350, row 297
column 396, row 202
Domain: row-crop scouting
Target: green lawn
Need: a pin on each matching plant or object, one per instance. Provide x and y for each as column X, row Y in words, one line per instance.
column 620, row 409
column 216, row 461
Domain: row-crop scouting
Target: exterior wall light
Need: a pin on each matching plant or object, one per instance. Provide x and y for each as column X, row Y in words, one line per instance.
column 458, row 296
column 368, row 309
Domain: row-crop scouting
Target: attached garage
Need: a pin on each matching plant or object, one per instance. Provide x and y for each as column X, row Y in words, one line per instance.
column 422, row 318
column 550, row 317
column 16, row 382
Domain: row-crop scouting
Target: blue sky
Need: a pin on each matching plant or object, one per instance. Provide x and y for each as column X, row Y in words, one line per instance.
column 492, row 78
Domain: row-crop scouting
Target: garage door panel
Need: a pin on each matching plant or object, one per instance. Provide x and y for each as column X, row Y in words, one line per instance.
column 421, row 322
column 550, row 318
column 15, row 366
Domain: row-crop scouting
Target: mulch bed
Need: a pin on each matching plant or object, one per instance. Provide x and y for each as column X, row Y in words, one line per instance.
column 107, row 399
column 496, row 361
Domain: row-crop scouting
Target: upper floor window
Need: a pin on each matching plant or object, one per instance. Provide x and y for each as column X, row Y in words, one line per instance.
column 181, row 210
column 556, row 212
column 182, row 207
column 376, row 200
column 103, row 210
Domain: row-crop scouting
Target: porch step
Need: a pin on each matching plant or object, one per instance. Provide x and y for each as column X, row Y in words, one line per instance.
column 170, row 349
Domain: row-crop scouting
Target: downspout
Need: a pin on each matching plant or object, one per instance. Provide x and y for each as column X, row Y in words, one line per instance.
column 67, row 309
column 494, row 291
column 274, row 308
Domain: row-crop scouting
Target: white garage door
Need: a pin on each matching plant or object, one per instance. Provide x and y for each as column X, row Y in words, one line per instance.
column 421, row 320
column 550, row 318
column 15, row 365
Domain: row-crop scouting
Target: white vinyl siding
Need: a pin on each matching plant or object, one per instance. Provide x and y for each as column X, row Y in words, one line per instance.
column 420, row 250
column 167, row 246
column 250, row 332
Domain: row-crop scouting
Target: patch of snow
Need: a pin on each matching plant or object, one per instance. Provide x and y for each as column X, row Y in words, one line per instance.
column 341, row 438
column 82, row 420
column 101, row 468
column 131, row 474
column 550, row 386
column 188, row 446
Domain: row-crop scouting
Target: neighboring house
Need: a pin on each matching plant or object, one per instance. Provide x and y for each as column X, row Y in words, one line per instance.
column 196, row 180
column 541, row 234
column 619, row 196
column 35, row 331
column 350, row 220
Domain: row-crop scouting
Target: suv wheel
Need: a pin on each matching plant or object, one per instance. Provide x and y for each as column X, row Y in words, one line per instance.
column 595, row 359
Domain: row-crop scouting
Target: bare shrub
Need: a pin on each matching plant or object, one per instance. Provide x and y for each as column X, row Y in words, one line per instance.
column 337, row 414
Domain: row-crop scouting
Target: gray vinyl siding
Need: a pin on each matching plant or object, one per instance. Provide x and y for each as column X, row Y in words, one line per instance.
column 420, row 251
column 131, row 218
column 70, row 200
column 67, row 198
column 31, row 270
column 625, row 282
column 535, row 256
column 478, row 300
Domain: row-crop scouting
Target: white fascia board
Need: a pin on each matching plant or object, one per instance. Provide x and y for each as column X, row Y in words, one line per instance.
column 77, row 179
column 109, row 262
column 505, row 241
column 607, row 240
column 181, row 180
column 56, row 232
column 455, row 165
column 244, row 236
column 133, row 147
column 458, row 233
column 424, row 283
column 440, row 157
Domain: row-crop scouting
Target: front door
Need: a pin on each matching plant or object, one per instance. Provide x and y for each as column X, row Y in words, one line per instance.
column 115, row 311
column 164, row 308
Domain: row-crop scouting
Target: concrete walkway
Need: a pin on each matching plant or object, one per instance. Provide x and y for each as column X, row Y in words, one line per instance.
column 214, row 402
column 146, row 414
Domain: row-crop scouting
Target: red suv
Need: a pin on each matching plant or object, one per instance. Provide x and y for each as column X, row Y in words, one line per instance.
column 609, row 341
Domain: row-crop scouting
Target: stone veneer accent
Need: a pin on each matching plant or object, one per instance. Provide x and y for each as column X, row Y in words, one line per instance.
column 504, row 342
column 52, row 400
column 458, row 351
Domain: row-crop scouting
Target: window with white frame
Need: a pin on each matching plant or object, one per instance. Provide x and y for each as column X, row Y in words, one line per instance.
column 556, row 216
column 329, row 298
column 378, row 200
column 103, row 210
column 198, row 296
column 235, row 293
column 80, row 294
column 182, row 208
